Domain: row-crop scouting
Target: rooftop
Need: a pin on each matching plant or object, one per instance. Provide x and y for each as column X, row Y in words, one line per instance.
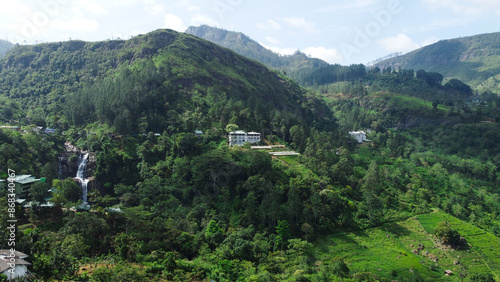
column 19, row 257
column 24, row 179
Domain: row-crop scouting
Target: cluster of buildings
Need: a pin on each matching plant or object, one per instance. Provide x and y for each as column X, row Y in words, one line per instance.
column 241, row 137
column 22, row 185
column 37, row 129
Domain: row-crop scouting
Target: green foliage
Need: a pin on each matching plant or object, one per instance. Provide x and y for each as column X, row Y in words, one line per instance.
column 446, row 234
column 194, row 209
column 68, row 189
column 339, row 268
column 474, row 70
column 231, row 127
column 39, row 192
column 480, row 277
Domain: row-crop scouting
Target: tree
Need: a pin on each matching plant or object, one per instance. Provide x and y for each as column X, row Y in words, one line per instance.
column 70, row 190
column 283, row 233
column 39, row 192
column 231, row 127
column 447, row 235
column 213, row 233
column 339, row 268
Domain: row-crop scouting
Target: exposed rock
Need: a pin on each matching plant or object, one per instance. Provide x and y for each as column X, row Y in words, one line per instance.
column 433, row 257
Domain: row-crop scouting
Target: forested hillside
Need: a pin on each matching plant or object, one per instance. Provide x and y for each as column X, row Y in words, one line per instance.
column 298, row 66
column 159, row 81
column 473, row 59
column 169, row 205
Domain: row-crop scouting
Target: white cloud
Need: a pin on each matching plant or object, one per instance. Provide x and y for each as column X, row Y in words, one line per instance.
column 329, row 55
column 199, row 19
column 91, row 6
column 278, row 50
column 174, row 22
column 79, row 25
column 193, row 8
column 439, row 24
column 153, row 7
column 352, row 5
column 465, row 7
column 398, row 43
column 269, row 25
column 429, row 41
column 273, row 40
column 302, row 24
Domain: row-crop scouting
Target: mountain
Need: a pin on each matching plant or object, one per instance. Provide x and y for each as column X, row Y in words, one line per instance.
column 163, row 80
column 243, row 45
column 474, row 60
column 168, row 205
column 5, row 46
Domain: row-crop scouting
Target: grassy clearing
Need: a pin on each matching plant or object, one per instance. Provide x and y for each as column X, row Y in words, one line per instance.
column 409, row 101
column 391, row 251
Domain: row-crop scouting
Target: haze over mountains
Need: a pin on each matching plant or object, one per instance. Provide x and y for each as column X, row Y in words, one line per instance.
column 5, row 46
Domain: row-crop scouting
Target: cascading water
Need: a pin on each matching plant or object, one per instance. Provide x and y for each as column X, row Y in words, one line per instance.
column 60, row 169
column 81, row 175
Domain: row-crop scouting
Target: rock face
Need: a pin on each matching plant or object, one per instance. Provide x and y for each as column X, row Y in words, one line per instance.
column 68, row 164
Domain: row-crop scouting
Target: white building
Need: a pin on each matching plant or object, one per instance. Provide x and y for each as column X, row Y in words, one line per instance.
column 20, row 265
column 240, row 137
column 360, row 136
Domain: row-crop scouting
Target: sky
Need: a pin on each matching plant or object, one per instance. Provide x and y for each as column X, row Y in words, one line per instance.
column 343, row 32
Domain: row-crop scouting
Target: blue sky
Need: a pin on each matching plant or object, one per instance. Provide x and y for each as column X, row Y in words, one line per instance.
column 344, row 32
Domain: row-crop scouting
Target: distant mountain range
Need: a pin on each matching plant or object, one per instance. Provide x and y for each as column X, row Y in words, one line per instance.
column 243, row 45
column 5, row 46
column 474, row 60
column 305, row 70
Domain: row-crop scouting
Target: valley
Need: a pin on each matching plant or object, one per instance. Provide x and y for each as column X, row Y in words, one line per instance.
column 146, row 123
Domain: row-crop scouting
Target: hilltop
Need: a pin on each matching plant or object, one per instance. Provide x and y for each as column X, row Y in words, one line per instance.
column 182, row 80
column 474, row 60
column 171, row 203
column 293, row 65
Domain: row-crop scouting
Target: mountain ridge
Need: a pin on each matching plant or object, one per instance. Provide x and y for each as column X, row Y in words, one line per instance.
column 472, row 59
column 185, row 71
column 244, row 45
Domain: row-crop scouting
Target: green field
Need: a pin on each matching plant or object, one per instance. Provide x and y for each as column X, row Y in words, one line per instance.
column 409, row 101
column 388, row 251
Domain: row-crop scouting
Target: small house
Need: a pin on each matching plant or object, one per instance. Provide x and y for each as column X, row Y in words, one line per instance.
column 360, row 136
column 13, row 265
column 49, row 130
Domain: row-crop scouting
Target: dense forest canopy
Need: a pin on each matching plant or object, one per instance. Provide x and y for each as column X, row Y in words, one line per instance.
column 171, row 205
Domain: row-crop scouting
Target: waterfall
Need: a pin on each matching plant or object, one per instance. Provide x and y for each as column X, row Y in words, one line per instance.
column 81, row 175
column 60, row 169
